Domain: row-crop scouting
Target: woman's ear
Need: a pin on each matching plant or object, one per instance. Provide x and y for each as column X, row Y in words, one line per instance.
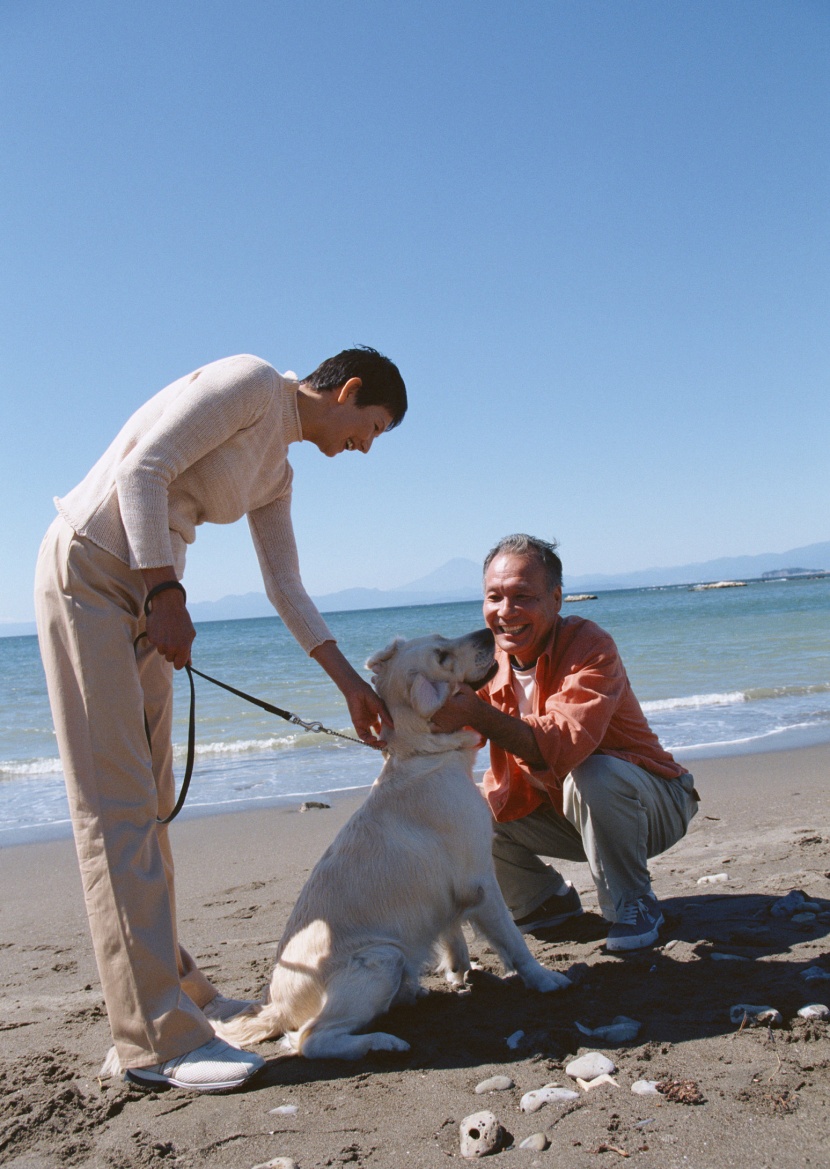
column 349, row 389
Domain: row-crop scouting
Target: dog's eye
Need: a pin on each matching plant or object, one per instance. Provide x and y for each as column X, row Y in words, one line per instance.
column 443, row 655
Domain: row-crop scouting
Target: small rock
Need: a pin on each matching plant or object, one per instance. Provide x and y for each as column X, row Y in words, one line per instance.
column 717, row 956
column 480, row 1134
column 815, row 974
column 589, row 1066
column 620, row 1030
column 802, row 918
column 494, row 1084
column 809, row 907
column 313, row 805
column 751, row 1016
column 823, row 918
column 514, row 1040
column 537, row 1142
column 277, row 1163
column 550, row 1094
column 713, row 879
column 284, row 1110
column 787, row 906
column 645, row 1088
column 815, row 1011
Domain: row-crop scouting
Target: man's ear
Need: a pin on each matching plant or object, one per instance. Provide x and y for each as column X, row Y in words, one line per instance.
column 348, row 390
column 427, row 696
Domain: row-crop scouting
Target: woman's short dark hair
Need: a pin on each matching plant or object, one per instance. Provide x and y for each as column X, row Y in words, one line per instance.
column 381, row 378
column 521, row 544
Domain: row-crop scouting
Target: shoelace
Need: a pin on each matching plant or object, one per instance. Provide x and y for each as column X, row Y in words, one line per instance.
column 630, row 911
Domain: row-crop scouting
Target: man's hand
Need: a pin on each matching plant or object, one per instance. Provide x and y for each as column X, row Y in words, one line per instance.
column 460, row 710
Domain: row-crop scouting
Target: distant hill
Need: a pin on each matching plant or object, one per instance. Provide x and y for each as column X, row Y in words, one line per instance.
column 460, row 580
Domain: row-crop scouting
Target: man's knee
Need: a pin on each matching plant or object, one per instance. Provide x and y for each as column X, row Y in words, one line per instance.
column 598, row 776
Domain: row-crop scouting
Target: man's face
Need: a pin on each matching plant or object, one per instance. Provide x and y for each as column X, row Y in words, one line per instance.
column 520, row 607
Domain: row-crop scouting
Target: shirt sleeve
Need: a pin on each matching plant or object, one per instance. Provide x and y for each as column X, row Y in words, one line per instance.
column 273, row 536
column 217, row 401
column 577, row 715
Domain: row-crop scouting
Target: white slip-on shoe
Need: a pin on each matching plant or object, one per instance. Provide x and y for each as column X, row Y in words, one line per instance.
column 213, row 1067
column 220, row 1009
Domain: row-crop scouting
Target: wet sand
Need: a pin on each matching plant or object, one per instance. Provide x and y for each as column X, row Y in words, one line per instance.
column 765, row 1101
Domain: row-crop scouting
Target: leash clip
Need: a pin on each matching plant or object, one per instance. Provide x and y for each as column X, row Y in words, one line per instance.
column 315, row 727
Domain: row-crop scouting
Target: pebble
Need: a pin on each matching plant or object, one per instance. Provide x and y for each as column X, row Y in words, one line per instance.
column 537, row 1142
column 550, row 1094
column 480, row 1134
column 284, row 1110
column 620, row 1030
column 815, row 1011
column 815, row 974
column 755, row 1016
column 713, row 879
column 809, row 907
column 494, row 1084
column 514, row 1040
column 313, row 806
column 645, row 1088
column 588, row 1067
column 277, row 1163
column 716, row 956
column 803, row 918
column 787, row 906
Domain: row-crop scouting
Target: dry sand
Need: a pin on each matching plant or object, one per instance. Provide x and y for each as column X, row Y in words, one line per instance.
column 764, row 1092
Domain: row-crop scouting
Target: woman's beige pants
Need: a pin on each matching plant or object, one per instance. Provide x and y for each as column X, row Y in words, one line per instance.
column 89, row 612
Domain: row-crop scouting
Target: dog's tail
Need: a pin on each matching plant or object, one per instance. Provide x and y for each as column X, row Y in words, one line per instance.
column 258, row 1022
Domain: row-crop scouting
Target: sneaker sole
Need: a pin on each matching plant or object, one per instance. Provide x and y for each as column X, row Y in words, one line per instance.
column 546, row 923
column 638, row 943
column 155, row 1079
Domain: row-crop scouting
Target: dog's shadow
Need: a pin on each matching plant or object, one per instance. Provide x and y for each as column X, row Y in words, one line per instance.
column 714, row 952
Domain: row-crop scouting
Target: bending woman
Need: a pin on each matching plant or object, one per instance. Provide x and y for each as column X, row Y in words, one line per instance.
column 210, row 447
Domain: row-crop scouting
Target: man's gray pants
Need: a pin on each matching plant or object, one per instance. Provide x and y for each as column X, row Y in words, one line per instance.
column 616, row 815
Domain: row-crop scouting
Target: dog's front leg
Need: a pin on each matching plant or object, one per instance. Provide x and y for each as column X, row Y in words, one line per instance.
column 454, row 958
column 492, row 919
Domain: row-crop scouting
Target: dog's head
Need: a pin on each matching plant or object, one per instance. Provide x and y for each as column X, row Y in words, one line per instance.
column 415, row 678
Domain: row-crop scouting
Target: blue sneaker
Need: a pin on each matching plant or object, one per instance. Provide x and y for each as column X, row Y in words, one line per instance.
column 638, row 924
column 554, row 911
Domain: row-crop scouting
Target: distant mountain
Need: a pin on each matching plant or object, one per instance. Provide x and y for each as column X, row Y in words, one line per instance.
column 460, row 580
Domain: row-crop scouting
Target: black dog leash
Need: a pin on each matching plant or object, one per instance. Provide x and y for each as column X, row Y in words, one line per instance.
column 316, row 727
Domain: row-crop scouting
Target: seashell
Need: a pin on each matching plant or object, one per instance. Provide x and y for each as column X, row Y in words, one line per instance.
column 494, row 1084
column 598, row 1081
column 284, row 1110
column 815, row 974
column 645, row 1088
column 537, row 1142
column 550, row 1094
column 815, row 1011
column 480, row 1133
column 620, row 1030
column 589, row 1066
column 751, row 1016
column 713, row 879
column 787, row 906
column 277, row 1163
column 514, row 1040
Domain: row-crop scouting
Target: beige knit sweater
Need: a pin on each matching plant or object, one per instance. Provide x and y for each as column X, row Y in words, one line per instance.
column 209, row 448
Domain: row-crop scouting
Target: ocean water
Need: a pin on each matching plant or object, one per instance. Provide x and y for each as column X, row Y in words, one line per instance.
column 717, row 672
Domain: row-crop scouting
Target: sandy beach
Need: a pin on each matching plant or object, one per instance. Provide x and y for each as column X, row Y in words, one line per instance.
column 758, row 1095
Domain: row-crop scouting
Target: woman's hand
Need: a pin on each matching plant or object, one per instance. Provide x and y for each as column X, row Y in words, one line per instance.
column 169, row 627
column 367, row 709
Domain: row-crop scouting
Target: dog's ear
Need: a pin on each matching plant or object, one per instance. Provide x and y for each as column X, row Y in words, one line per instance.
column 427, row 696
column 384, row 655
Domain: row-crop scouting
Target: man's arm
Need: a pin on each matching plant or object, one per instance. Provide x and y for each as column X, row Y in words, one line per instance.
column 466, row 709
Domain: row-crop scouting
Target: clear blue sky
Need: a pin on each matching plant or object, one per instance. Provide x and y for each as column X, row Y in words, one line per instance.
column 594, row 236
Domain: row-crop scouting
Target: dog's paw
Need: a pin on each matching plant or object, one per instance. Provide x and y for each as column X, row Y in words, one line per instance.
column 381, row 1041
column 545, row 980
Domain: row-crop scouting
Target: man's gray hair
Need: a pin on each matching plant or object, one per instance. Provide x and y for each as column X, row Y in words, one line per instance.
column 520, row 544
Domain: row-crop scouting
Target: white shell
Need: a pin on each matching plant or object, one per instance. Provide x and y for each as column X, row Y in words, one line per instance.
column 480, row 1134
column 590, row 1065
column 550, row 1094
column 537, row 1142
column 755, row 1016
column 284, row 1110
column 494, row 1084
column 713, row 879
column 815, row 1011
column 645, row 1088
column 277, row 1163
column 587, row 1085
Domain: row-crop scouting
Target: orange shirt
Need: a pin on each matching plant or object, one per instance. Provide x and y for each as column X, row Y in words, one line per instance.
column 584, row 706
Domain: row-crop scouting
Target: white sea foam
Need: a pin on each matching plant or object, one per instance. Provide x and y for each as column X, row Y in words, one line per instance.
column 694, row 701
column 15, row 768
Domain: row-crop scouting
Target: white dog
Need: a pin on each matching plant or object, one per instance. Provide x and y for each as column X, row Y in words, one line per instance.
column 389, row 896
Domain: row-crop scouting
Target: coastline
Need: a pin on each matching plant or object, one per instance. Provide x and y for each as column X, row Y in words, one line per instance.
column 238, row 874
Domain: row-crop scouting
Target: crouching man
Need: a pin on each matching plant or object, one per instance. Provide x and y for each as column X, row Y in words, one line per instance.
column 575, row 770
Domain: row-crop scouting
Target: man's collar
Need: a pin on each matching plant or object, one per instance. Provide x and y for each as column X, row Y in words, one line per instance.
column 503, row 678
